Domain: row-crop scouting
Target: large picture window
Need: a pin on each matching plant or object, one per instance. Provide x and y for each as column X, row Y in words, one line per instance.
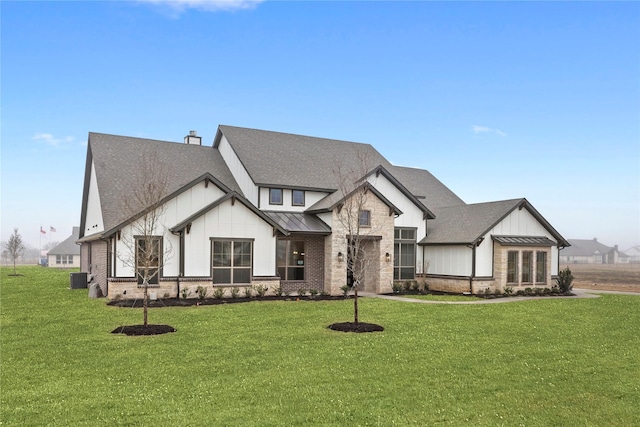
column 148, row 259
column 404, row 254
column 527, row 267
column 231, row 261
column 512, row 267
column 291, row 259
column 541, row 267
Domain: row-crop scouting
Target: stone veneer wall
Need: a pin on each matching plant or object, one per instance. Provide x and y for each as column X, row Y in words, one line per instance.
column 500, row 266
column 168, row 288
column 382, row 225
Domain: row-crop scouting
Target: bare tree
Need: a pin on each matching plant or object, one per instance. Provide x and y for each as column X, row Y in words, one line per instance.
column 14, row 248
column 354, row 214
column 144, row 204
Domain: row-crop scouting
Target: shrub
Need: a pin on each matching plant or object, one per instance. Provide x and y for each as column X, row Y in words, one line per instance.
column 345, row 290
column 218, row 293
column 202, row 292
column 396, row 287
column 248, row 292
column 287, row 293
column 235, row 291
column 407, row 286
column 324, row 293
column 278, row 291
column 538, row 291
column 166, row 295
column 520, row 292
column 546, row 291
column 565, row 280
column 261, row 290
column 528, row 291
column 302, row 292
column 425, row 288
column 185, row 292
column 117, row 297
column 313, row 292
column 415, row 286
column 508, row 290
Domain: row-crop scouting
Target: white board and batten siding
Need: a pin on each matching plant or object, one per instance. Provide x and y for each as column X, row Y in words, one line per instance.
column 175, row 210
column 449, row 260
column 520, row 222
column 93, row 219
column 242, row 177
column 229, row 221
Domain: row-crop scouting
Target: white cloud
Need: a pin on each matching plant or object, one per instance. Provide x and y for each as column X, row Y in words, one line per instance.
column 483, row 129
column 206, row 5
column 52, row 141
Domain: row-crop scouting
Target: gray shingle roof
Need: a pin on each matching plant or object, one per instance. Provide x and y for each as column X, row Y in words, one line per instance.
column 585, row 247
column 288, row 160
column 422, row 184
column 465, row 224
column 116, row 160
column 68, row 246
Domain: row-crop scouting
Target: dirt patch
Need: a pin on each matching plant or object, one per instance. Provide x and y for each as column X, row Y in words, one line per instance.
column 356, row 327
column 137, row 330
column 606, row 277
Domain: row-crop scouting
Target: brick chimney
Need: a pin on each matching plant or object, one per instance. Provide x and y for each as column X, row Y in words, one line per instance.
column 193, row 138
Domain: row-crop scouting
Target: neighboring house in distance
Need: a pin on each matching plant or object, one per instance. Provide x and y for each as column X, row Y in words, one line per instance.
column 586, row 251
column 264, row 208
column 634, row 254
column 67, row 253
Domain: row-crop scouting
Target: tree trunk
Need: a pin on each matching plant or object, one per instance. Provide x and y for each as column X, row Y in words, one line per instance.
column 145, row 301
column 355, row 302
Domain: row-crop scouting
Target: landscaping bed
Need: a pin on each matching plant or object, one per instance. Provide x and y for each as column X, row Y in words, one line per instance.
column 189, row 302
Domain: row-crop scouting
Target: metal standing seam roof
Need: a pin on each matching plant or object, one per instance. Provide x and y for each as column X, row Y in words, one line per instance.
column 524, row 240
column 298, row 222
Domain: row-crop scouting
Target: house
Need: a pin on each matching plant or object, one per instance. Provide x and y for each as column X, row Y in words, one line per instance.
column 633, row 254
column 67, row 253
column 272, row 209
column 590, row 251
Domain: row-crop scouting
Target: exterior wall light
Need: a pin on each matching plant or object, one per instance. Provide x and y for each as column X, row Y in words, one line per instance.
column 340, row 257
column 388, row 257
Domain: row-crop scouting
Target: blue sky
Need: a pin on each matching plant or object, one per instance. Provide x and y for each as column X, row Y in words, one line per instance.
column 498, row 100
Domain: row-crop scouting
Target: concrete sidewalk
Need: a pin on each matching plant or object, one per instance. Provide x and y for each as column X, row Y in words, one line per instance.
column 579, row 293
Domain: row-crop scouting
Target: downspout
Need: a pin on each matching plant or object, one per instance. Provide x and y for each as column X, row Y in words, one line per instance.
column 472, row 246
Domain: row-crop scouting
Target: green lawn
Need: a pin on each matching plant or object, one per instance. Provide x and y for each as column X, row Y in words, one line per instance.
column 539, row 362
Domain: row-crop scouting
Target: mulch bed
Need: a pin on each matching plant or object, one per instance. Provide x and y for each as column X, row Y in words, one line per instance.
column 137, row 330
column 356, row 327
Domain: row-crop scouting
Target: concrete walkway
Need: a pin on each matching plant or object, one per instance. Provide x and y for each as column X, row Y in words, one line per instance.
column 579, row 293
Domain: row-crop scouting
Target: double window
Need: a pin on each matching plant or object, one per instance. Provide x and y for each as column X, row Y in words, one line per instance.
column 276, row 197
column 404, row 254
column 148, row 259
column 291, row 259
column 231, row 261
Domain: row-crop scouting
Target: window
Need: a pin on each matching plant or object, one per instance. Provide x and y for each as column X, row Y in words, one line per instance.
column 275, row 196
column 297, row 198
column 231, row 261
column 512, row 267
column 148, row 259
column 58, row 259
column 541, row 267
column 291, row 259
column 365, row 218
column 404, row 254
column 527, row 267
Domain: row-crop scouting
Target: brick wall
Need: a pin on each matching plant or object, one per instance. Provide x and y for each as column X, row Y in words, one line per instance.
column 98, row 265
column 314, row 265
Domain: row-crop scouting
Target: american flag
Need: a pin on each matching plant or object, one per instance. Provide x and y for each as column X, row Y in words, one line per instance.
column 53, row 230
column 42, row 231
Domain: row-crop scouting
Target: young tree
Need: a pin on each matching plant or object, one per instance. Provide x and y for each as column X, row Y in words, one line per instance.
column 14, row 247
column 354, row 215
column 146, row 251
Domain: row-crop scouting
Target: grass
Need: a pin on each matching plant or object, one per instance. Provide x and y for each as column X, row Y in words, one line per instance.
column 534, row 363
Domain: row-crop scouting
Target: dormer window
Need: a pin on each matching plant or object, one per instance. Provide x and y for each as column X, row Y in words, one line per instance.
column 297, row 198
column 275, row 196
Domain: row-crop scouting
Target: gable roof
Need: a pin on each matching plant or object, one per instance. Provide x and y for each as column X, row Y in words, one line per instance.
column 233, row 196
column 466, row 224
column 585, row 247
column 426, row 187
column 288, row 160
column 68, row 246
column 333, row 200
column 116, row 169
